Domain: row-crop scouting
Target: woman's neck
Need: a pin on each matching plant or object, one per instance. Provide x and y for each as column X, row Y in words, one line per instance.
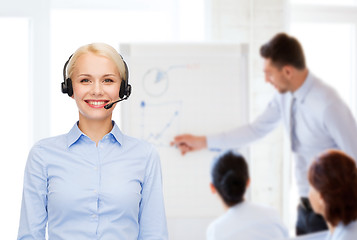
column 331, row 228
column 226, row 207
column 95, row 129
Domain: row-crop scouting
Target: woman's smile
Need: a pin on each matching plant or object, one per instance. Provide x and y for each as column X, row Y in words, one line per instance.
column 96, row 103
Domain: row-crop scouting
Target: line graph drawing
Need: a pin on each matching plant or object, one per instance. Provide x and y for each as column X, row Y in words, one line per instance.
column 160, row 122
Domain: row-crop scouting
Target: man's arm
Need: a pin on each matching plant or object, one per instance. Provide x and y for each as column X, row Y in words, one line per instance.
column 187, row 143
column 342, row 127
column 235, row 138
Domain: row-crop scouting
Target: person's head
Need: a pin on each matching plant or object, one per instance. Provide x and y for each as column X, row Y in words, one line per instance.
column 230, row 178
column 283, row 60
column 99, row 49
column 96, row 71
column 333, row 190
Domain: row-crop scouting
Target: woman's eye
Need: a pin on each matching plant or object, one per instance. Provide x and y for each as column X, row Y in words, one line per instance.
column 108, row 80
column 84, row 81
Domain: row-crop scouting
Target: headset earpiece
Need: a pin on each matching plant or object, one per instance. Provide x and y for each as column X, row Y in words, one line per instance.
column 125, row 90
column 66, row 85
column 125, row 87
column 122, row 89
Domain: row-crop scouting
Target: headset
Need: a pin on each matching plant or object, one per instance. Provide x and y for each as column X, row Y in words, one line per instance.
column 125, row 87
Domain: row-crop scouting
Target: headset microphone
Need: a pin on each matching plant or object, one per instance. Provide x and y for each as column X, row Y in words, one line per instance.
column 124, row 93
column 109, row 105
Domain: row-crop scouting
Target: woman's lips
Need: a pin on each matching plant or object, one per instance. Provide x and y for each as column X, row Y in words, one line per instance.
column 96, row 103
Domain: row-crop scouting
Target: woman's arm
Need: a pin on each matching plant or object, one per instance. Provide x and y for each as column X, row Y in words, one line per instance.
column 34, row 200
column 152, row 218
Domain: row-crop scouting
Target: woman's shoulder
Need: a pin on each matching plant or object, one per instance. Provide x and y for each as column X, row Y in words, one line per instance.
column 348, row 232
column 256, row 211
column 243, row 219
column 249, row 206
column 137, row 142
column 43, row 148
column 139, row 145
column 56, row 141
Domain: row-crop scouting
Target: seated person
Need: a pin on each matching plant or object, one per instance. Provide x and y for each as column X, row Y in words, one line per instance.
column 242, row 220
column 333, row 193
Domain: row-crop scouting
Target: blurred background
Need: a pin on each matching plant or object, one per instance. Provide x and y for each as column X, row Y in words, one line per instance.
column 38, row 36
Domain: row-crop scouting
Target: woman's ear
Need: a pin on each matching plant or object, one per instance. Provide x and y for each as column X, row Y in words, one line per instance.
column 321, row 201
column 248, row 183
column 321, row 205
column 213, row 189
column 73, row 87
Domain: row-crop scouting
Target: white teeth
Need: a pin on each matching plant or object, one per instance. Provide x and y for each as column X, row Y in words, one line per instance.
column 96, row 103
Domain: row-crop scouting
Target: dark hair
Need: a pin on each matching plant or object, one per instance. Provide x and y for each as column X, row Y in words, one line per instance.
column 283, row 49
column 229, row 177
column 334, row 175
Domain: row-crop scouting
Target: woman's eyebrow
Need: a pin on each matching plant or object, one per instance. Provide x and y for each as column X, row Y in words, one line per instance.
column 105, row 75
column 83, row 74
column 110, row 75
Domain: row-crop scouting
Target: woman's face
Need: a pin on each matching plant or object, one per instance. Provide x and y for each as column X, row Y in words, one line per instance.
column 96, row 82
column 316, row 201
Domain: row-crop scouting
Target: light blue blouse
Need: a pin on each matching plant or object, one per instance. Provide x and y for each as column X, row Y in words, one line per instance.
column 83, row 191
column 344, row 232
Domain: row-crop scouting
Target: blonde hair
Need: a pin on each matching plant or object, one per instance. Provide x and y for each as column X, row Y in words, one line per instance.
column 100, row 49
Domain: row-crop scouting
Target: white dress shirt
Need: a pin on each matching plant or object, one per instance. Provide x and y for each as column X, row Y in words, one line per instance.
column 247, row 221
column 344, row 232
column 322, row 121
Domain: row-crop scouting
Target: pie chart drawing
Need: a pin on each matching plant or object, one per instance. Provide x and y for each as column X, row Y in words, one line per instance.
column 156, row 82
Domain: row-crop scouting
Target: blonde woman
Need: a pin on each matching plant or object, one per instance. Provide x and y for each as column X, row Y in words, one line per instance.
column 93, row 182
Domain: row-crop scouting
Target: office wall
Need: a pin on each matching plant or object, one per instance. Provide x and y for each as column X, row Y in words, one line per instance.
column 249, row 21
column 255, row 22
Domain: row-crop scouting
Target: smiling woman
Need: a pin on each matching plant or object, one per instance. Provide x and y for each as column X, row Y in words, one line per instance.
column 96, row 82
column 93, row 182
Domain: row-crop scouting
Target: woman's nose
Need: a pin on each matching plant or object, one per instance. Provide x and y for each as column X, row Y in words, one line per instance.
column 97, row 88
